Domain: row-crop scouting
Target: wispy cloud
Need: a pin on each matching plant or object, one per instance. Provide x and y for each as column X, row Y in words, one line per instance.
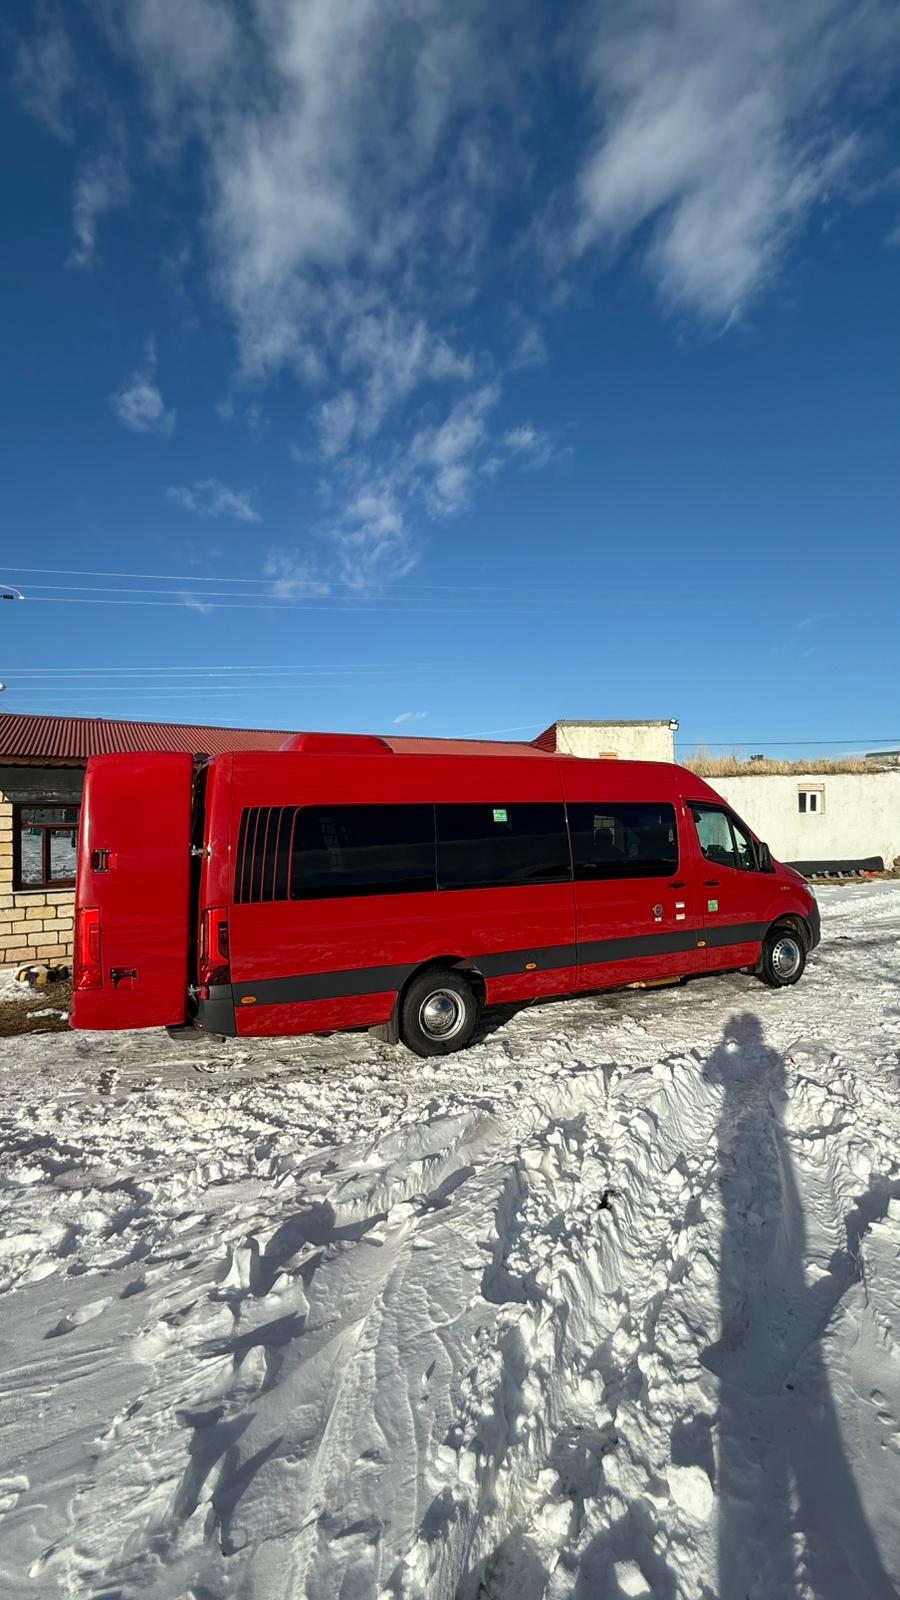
column 191, row 603
column 718, row 130
column 368, row 168
column 44, row 72
column 410, row 716
column 294, row 578
column 210, row 498
column 139, row 404
column 331, row 265
column 101, row 185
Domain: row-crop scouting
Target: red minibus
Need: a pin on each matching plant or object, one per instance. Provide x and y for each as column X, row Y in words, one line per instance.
column 343, row 883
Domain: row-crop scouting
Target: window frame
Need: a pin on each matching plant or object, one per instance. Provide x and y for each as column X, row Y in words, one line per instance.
column 808, row 792
column 732, row 820
column 347, row 891
column 47, row 881
column 560, row 833
column 256, row 875
column 610, row 808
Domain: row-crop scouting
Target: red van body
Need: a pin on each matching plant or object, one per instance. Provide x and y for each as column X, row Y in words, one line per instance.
column 245, row 895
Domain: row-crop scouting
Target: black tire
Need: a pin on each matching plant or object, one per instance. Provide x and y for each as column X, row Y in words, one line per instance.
column 783, row 956
column 453, row 1012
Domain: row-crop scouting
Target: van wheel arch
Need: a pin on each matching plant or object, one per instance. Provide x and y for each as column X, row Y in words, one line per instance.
column 795, row 924
column 787, row 930
column 389, row 1032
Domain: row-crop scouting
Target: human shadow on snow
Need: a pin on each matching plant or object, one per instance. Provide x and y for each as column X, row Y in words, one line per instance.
column 790, row 1515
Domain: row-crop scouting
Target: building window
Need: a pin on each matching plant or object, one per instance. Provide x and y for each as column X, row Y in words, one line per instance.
column 46, row 846
column 811, row 802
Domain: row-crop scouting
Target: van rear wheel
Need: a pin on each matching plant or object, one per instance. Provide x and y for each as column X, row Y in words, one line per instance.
column 783, row 957
column 439, row 1013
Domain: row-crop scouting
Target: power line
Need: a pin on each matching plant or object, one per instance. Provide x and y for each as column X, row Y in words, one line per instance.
column 301, row 583
column 199, row 603
column 164, row 693
column 308, row 666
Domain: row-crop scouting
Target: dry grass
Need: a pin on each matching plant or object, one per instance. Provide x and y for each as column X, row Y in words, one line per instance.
column 736, row 766
column 31, row 1013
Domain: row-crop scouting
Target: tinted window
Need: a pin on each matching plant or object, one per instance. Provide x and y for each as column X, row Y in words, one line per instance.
column 723, row 841
column 353, row 850
column 623, row 840
column 497, row 846
column 263, row 853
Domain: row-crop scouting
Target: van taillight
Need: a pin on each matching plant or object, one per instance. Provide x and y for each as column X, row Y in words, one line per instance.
column 214, row 961
column 88, row 971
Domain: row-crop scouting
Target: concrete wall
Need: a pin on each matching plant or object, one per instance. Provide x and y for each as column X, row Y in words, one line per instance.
column 860, row 813
column 629, row 741
column 35, row 924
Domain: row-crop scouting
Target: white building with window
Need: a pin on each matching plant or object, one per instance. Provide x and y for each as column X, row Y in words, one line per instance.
column 824, row 821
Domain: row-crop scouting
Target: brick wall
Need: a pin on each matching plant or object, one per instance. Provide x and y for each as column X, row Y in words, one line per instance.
column 35, row 924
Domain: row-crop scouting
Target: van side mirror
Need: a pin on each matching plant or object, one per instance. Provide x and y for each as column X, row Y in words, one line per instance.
column 765, row 857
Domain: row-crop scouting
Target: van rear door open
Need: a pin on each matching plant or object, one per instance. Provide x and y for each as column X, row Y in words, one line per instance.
column 132, row 892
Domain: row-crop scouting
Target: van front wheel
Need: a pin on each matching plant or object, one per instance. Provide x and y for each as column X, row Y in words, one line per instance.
column 783, row 957
column 439, row 1013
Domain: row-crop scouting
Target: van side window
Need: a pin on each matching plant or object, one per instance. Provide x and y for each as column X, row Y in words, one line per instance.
column 356, row 850
column 722, row 839
column 623, row 839
column 263, row 853
column 498, row 846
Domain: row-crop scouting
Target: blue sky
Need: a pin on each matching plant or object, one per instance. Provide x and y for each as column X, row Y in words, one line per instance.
column 406, row 360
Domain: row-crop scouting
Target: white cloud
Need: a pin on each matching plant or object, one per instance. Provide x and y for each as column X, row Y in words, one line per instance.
column 44, row 73
column 294, row 578
column 101, row 185
column 529, row 348
column 410, row 716
column 372, row 539
column 337, row 420
column 139, row 404
column 450, row 452
column 718, row 131
column 210, row 498
column 191, row 603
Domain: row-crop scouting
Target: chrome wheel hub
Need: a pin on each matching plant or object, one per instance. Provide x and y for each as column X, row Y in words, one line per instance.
column 786, row 956
column 441, row 1014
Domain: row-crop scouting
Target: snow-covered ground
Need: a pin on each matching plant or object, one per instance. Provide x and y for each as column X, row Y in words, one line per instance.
column 608, row 1305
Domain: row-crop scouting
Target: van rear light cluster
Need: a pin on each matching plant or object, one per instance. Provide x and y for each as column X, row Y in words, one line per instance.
column 214, row 963
column 88, row 970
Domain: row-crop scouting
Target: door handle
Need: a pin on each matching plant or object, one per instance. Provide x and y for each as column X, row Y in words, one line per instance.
column 711, row 883
column 678, row 885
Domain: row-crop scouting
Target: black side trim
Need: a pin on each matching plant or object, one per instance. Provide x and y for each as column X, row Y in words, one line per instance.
column 597, row 951
column 352, row 981
column 735, row 933
column 814, row 918
column 323, row 985
column 545, row 958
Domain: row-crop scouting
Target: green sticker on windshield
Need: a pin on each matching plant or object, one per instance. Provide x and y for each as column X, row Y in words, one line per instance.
column 500, row 814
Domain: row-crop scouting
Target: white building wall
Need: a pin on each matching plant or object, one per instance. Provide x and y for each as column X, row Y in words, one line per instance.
column 860, row 816
column 629, row 741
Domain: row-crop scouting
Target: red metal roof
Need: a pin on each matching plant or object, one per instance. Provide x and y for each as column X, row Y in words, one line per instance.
column 74, row 739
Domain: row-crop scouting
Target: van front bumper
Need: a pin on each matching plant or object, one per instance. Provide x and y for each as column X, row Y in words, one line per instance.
column 814, row 918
